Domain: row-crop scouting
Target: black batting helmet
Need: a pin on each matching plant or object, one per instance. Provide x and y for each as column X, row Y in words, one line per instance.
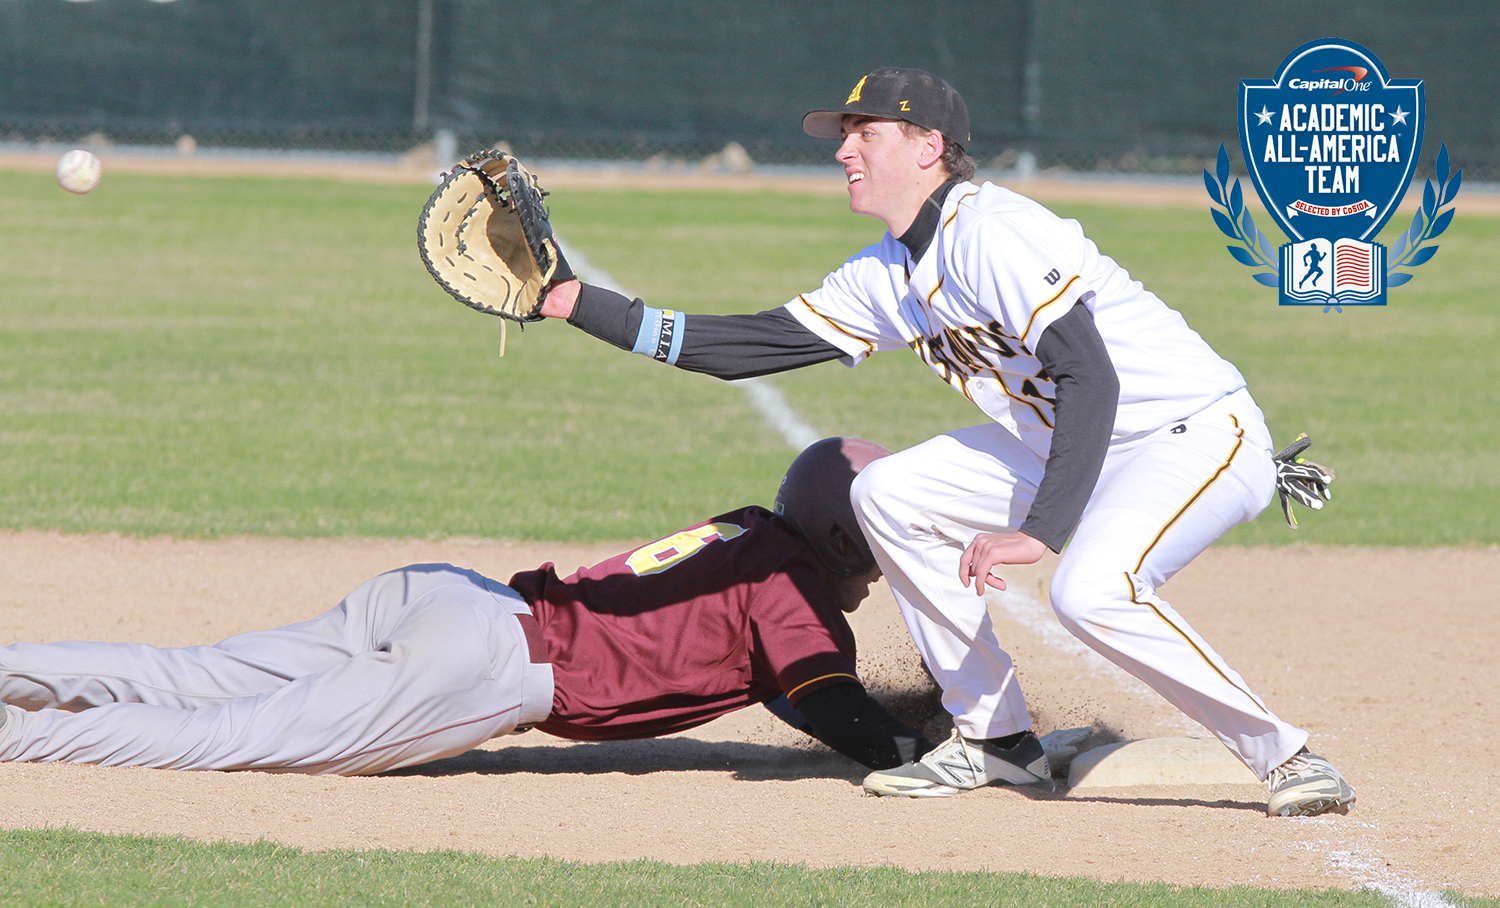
column 814, row 501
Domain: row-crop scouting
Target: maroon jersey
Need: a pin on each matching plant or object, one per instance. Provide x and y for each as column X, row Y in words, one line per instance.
column 724, row 614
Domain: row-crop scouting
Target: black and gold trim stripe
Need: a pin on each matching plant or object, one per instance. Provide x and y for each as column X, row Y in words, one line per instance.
column 1038, row 311
column 1190, row 642
column 793, row 692
column 956, row 206
column 869, row 345
column 1239, row 441
column 942, row 279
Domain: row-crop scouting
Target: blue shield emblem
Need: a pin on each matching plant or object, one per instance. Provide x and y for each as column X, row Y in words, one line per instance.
column 1331, row 143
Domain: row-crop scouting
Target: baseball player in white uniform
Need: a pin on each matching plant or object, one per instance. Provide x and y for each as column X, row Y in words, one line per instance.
column 1115, row 435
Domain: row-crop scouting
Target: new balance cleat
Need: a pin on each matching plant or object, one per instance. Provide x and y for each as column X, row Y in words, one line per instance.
column 958, row 765
column 1307, row 785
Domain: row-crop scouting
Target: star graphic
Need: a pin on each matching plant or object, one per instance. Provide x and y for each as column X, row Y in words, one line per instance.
column 1264, row 114
column 1399, row 116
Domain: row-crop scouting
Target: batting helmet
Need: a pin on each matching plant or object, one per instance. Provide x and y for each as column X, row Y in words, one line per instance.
column 814, row 501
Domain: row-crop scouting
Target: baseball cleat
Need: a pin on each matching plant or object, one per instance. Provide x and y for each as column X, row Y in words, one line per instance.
column 958, row 765
column 1307, row 785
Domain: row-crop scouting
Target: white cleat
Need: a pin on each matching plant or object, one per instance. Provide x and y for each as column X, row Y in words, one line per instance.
column 1307, row 785
column 958, row 765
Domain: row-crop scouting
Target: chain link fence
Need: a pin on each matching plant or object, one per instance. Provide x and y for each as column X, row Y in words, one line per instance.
column 1144, row 87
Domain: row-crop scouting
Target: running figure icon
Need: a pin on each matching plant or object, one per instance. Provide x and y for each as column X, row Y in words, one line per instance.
column 1314, row 259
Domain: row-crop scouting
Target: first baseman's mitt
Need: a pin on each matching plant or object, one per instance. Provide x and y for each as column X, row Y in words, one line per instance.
column 1300, row 480
column 486, row 239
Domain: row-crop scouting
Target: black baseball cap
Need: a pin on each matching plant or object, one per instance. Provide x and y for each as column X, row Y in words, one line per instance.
column 895, row 93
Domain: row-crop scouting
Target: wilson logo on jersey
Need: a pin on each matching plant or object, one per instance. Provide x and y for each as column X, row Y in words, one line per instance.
column 665, row 553
column 960, row 354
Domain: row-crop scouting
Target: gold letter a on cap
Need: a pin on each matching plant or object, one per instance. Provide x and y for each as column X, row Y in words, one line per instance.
column 854, row 95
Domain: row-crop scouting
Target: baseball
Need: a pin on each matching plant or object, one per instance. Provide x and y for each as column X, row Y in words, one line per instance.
column 79, row 171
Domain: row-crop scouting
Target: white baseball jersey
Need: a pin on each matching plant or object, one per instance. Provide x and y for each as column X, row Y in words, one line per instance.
column 999, row 270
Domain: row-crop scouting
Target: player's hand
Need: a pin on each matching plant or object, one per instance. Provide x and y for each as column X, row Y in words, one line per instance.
column 990, row 549
column 561, row 298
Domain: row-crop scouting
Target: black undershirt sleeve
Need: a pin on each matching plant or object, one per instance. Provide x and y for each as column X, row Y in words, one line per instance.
column 607, row 315
column 744, row 346
column 850, row 721
column 724, row 346
column 1088, row 394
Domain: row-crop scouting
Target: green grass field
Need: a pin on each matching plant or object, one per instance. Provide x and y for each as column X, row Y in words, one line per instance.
column 217, row 356
column 220, row 356
column 68, row 868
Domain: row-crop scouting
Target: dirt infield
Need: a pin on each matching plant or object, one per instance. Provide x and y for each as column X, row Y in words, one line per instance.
column 1387, row 656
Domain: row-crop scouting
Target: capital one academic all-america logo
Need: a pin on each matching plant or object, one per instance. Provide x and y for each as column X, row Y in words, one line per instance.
column 1331, row 144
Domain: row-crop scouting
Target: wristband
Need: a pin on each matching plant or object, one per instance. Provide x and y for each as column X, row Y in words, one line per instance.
column 660, row 336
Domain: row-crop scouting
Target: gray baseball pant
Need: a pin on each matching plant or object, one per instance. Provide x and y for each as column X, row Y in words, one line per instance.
column 417, row 664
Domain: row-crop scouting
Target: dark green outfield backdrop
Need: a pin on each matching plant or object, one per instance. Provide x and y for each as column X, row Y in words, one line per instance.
column 1114, row 85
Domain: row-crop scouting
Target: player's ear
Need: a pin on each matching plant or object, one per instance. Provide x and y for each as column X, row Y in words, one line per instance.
column 932, row 148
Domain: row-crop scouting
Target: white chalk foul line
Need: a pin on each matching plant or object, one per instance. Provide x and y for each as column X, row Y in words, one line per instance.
column 1370, row 872
column 765, row 397
column 1366, row 870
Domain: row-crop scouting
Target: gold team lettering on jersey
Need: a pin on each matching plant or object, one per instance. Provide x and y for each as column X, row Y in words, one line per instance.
column 958, row 355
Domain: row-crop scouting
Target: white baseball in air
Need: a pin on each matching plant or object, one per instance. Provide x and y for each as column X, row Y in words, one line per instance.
column 79, row 171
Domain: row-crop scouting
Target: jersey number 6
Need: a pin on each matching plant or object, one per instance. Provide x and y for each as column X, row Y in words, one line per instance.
column 663, row 553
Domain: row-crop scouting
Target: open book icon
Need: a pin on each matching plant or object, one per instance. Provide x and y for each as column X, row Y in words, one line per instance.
column 1319, row 271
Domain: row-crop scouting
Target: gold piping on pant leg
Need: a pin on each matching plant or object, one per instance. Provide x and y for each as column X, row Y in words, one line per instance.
column 1239, row 440
column 1134, row 590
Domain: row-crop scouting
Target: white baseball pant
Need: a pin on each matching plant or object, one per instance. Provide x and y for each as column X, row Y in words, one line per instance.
column 416, row 664
column 1161, row 499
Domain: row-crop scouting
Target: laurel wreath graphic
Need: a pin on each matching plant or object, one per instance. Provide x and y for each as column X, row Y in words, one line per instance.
column 1425, row 225
column 1255, row 248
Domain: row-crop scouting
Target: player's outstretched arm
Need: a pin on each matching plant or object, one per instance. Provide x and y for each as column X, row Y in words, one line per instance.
column 724, row 346
column 849, row 720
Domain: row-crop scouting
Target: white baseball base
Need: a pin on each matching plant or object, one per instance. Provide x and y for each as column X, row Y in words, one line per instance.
column 1158, row 761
